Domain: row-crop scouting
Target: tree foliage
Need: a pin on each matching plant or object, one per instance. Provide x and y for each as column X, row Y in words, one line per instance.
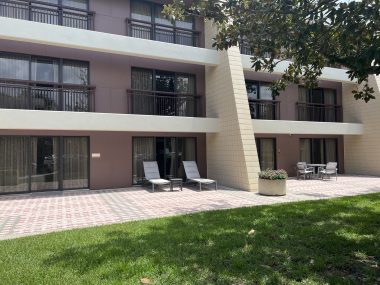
column 312, row 33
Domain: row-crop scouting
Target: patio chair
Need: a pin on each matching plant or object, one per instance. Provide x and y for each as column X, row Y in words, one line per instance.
column 152, row 174
column 303, row 170
column 331, row 169
column 192, row 174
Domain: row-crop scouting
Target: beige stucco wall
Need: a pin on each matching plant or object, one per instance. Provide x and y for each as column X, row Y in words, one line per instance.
column 231, row 153
column 362, row 153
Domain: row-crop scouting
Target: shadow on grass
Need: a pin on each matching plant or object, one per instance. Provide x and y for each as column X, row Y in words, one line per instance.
column 333, row 241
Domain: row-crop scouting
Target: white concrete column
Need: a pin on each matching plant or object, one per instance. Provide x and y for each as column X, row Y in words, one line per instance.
column 361, row 153
column 231, row 154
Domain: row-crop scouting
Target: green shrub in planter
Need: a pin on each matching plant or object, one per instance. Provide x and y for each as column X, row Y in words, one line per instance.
column 273, row 174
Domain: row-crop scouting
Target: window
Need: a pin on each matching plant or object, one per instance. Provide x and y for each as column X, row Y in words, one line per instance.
column 14, row 67
column 29, row 164
column 75, row 72
column 141, row 11
column 148, row 22
column 45, row 70
column 43, row 83
column 75, row 162
column 172, row 94
column 169, row 152
column 318, row 151
column 261, row 102
column 79, row 4
column 318, row 104
column 266, row 149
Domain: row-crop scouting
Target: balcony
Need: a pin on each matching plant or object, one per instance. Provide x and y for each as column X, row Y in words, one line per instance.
column 318, row 112
column 264, row 109
column 48, row 13
column 35, row 96
column 163, row 33
column 163, row 103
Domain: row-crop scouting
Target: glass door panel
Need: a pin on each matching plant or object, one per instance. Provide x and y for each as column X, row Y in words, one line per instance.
column 75, row 162
column 170, row 158
column 317, row 151
column 305, row 150
column 186, row 152
column 45, row 163
column 331, row 150
column 165, row 102
column 14, row 164
column 267, row 153
column 160, row 155
column 143, row 150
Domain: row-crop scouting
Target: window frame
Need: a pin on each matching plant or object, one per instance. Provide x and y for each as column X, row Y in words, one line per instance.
column 176, row 74
column 60, row 61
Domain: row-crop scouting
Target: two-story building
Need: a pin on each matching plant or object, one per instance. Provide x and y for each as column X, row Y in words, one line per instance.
column 89, row 89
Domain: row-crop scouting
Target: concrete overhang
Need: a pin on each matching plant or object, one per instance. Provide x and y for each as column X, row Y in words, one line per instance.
column 53, row 35
column 76, row 121
column 306, row 128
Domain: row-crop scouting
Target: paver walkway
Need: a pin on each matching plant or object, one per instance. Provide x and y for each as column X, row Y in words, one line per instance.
column 30, row 214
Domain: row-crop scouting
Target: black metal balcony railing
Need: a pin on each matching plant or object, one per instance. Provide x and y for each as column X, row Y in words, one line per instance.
column 163, row 33
column 319, row 112
column 74, row 98
column 48, row 13
column 264, row 109
column 163, row 103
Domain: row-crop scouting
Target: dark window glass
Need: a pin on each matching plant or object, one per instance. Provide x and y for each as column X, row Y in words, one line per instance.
column 252, row 90
column 185, row 84
column 165, row 81
column 14, row 67
column 45, row 70
column 169, row 152
column 266, row 149
column 79, row 4
column 75, row 72
column 159, row 17
column 14, row 164
column 187, row 23
column 318, row 151
column 141, row 11
column 142, row 79
column 143, row 150
column 45, row 163
column 75, row 162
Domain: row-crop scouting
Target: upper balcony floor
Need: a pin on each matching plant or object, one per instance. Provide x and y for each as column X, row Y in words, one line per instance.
column 134, row 18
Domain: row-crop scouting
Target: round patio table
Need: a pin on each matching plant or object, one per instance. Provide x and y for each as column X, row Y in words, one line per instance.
column 315, row 165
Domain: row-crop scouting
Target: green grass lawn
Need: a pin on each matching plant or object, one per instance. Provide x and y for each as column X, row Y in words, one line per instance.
column 324, row 242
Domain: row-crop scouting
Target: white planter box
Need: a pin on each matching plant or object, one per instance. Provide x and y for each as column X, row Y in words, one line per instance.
column 272, row 187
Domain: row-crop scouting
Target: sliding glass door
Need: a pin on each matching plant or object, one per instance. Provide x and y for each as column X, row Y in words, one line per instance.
column 169, row 152
column 75, row 162
column 318, row 151
column 14, row 158
column 44, row 163
column 29, row 164
column 266, row 149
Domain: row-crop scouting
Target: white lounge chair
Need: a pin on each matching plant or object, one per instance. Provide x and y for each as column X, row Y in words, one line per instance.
column 303, row 170
column 152, row 174
column 192, row 174
column 331, row 169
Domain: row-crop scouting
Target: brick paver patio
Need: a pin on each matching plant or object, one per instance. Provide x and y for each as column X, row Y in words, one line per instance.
column 22, row 215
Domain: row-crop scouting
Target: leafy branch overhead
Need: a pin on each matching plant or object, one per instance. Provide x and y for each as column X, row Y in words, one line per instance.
column 312, row 33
